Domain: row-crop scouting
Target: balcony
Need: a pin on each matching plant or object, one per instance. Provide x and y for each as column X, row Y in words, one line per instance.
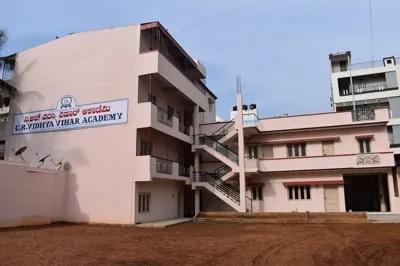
column 365, row 88
column 343, row 161
column 149, row 115
column 364, row 114
column 150, row 167
column 154, row 62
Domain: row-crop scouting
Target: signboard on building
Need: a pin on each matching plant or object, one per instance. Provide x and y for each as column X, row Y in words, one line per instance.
column 67, row 116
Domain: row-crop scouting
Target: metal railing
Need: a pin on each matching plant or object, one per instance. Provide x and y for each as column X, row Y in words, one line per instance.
column 252, row 120
column 163, row 166
column 221, row 149
column 221, row 171
column 224, row 130
column 363, row 88
column 184, row 128
column 226, row 189
column 184, row 170
column 370, row 64
column 163, row 117
column 363, row 114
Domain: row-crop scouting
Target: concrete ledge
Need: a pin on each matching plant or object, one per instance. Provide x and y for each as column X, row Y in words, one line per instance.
column 166, row 223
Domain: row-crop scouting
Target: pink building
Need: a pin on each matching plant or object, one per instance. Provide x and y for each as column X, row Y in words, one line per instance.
column 119, row 106
column 127, row 112
column 323, row 162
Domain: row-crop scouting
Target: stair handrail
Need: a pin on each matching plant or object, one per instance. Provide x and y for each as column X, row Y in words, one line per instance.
column 219, row 147
column 228, row 125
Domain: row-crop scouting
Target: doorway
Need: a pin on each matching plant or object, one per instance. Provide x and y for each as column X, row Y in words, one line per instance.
column 362, row 193
column 188, row 201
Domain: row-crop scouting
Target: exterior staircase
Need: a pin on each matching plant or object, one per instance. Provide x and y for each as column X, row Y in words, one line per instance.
column 219, row 151
column 226, row 192
column 225, row 133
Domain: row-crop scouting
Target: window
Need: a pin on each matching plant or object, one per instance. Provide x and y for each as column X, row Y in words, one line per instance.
column 170, row 112
column 146, row 147
column 343, row 65
column 2, row 149
column 299, row 192
column 153, row 99
column 144, row 202
column 389, row 61
column 257, row 193
column 253, row 152
column 210, row 106
column 365, row 145
column 296, row 149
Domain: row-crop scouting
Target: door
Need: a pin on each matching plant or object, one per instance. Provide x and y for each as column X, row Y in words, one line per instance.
column 253, row 152
column 327, row 148
column 178, row 196
column 331, row 193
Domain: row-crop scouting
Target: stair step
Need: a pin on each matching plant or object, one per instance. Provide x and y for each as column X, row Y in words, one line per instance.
column 286, row 215
column 280, row 221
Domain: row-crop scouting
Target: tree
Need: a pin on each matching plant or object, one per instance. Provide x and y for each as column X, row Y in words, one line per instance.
column 9, row 61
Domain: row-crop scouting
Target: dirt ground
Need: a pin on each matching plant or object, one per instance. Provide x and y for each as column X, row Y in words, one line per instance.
column 202, row 244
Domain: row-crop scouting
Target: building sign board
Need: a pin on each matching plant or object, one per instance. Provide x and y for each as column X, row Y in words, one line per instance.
column 67, row 116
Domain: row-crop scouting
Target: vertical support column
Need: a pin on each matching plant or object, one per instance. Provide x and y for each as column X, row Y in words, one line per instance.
column 196, row 166
column 239, row 127
column 381, row 194
column 197, row 201
column 392, row 198
column 196, row 125
column 133, row 203
column 342, row 199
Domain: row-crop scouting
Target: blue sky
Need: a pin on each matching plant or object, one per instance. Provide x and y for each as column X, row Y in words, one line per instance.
column 279, row 47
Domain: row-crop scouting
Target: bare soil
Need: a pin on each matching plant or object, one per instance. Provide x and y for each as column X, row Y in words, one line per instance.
column 202, row 244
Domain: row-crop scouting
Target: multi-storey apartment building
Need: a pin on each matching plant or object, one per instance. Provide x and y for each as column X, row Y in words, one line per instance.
column 118, row 107
column 334, row 162
column 376, row 85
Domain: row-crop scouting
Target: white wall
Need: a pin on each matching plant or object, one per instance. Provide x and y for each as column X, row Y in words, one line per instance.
column 163, row 202
column 211, row 203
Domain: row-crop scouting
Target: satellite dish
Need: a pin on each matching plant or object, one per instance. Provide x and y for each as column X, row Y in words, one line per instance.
column 41, row 161
column 59, row 163
column 20, row 151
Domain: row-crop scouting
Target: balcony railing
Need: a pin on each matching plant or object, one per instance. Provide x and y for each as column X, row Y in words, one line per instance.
column 184, row 170
column 184, row 128
column 370, row 64
column 4, row 109
column 364, row 114
column 163, row 117
column 364, row 88
column 368, row 159
column 163, row 166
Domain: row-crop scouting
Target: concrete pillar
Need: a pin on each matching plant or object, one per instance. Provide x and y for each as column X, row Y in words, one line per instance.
column 197, row 201
column 392, row 198
column 196, row 166
column 196, row 123
column 133, row 203
column 382, row 194
column 239, row 127
column 342, row 199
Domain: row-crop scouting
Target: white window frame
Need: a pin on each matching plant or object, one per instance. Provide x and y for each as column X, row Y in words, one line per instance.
column 299, row 189
column 144, row 201
column 257, row 195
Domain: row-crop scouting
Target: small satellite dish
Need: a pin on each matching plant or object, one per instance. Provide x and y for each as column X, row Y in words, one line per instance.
column 20, row 151
column 59, row 163
column 41, row 161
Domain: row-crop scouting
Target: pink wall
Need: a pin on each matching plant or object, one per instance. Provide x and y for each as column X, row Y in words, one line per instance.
column 318, row 120
column 276, row 197
column 31, row 196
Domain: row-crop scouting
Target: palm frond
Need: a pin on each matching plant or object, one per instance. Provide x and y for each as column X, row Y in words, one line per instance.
column 3, row 38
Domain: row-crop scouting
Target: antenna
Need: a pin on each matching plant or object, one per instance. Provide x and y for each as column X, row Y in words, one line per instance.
column 59, row 163
column 20, row 151
column 41, row 161
column 238, row 84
